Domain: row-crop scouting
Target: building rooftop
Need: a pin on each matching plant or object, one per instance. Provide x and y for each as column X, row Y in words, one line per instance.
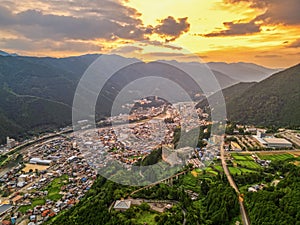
column 4, row 208
column 122, row 204
column 276, row 141
column 17, row 198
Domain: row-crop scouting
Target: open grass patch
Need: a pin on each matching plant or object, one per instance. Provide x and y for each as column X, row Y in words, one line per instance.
column 245, row 170
column 245, row 160
column 211, row 171
column 54, row 187
column 24, row 208
column 218, row 167
column 276, row 157
column 146, row 218
column 34, row 203
column 248, row 164
column 241, row 157
column 38, row 201
column 234, row 170
column 198, row 170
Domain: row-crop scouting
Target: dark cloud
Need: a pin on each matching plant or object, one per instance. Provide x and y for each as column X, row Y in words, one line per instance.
column 127, row 49
column 46, row 45
column 34, row 24
column 276, row 11
column 109, row 20
column 171, row 29
column 109, row 9
column 160, row 44
column 165, row 54
column 295, row 44
column 252, row 3
column 268, row 56
column 235, row 29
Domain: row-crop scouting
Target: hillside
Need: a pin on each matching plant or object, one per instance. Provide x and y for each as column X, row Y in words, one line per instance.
column 274, row 101
column 37, row 93
column 243, row 72
column 229, row 94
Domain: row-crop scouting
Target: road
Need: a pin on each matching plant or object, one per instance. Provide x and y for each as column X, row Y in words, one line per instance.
column 245, row 218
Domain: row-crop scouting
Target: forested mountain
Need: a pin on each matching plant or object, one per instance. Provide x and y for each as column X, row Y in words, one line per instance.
column 37, row 93
column 274, row 101
column 217, row 204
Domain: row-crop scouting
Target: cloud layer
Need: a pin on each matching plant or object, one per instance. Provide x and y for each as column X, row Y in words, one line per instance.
column 276, row 12
column 233, row 29
column 71, row 22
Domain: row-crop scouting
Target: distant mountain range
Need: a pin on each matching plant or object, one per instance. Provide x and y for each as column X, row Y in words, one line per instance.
column 274, row 101
column 2, row 53
column 243, row 72
column 37, row 93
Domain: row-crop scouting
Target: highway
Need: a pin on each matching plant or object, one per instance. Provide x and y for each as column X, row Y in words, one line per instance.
column 245, row 218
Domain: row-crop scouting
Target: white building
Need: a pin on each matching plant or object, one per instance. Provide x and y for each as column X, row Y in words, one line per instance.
column 277, row 143
column 40, row 161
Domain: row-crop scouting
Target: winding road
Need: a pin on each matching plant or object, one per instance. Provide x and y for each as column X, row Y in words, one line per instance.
column 245, row 218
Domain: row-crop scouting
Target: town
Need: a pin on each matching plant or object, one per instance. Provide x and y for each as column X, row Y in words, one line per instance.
column 54, row 174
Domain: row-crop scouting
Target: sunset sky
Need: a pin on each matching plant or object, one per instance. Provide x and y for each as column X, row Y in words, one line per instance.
column 266, row 32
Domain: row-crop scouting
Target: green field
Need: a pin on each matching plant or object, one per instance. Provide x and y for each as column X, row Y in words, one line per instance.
column 24, row 208
column 276, row 157
column 35, row 202
column 146, row 218
column 249, row 164
column 239, row 171
column 245, row 170
column 54, row 187
column 245, row 160
column 211, row 171
column 234, row 170
column 198, row 170
column 190, row 182
column 241, row 157
column 219, row 168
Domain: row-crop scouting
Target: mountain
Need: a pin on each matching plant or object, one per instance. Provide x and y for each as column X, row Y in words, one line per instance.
column 223, row 79
column 243, row 72
column 2, row 53
column 273, row 101
column 37, row 93
column 229, row 94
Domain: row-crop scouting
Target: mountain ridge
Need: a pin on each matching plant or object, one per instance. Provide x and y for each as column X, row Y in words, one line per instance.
column 274, row 101
column 29, row 83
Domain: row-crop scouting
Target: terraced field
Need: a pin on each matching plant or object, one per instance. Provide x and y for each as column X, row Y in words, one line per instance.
column 245, row 160
column 219, row 168
column 239, row 171
column 275, row 157
column 241, row 157
column 249, row 164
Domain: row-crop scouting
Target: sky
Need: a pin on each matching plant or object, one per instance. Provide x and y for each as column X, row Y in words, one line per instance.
column 265, row 32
